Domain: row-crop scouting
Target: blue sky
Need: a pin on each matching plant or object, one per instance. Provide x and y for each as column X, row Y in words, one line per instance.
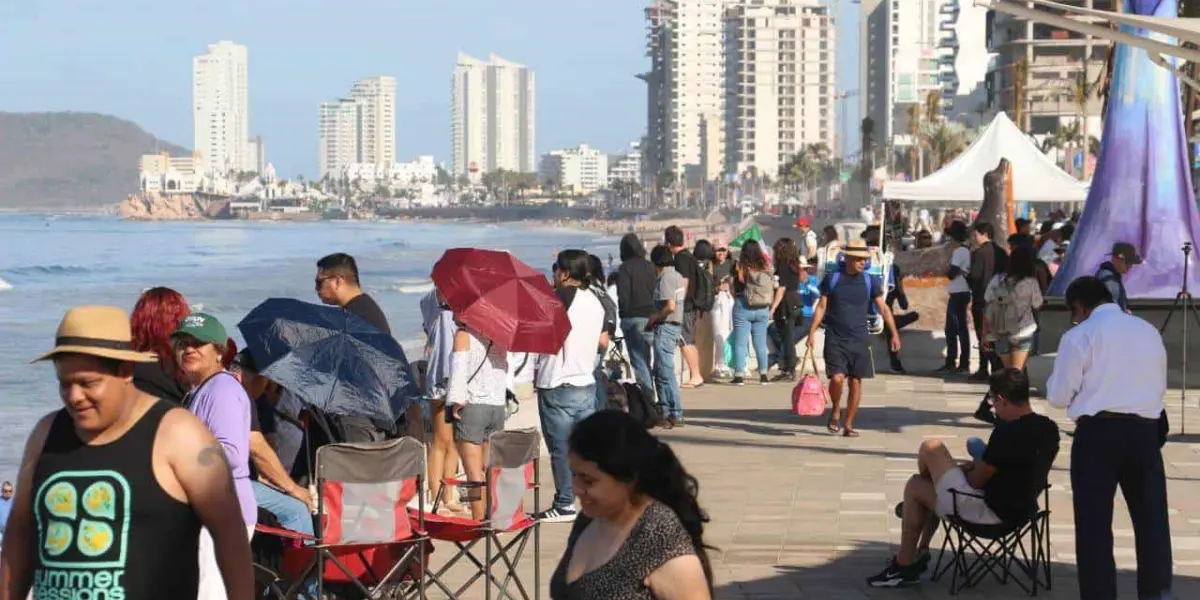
column 132, row 59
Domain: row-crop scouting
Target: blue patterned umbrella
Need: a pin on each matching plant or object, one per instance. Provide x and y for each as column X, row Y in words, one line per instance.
column 330, row 358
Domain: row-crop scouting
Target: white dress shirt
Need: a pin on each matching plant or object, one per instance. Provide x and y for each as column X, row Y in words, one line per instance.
column 1111, row 362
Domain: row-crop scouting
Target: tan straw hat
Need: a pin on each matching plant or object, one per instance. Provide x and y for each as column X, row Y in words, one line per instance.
column 101, row 331
column 856, row 249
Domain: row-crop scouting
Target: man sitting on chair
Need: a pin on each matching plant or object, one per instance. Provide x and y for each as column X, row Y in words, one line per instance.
column 1001, row 487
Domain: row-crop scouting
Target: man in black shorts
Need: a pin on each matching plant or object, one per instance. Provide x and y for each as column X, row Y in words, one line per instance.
column 689, row 268
column 846, row 298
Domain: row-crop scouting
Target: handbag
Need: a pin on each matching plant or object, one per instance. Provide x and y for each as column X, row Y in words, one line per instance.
column 809, row 396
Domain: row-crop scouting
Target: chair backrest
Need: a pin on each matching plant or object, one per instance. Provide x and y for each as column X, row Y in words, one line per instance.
column 365, row 489
column 512, row 456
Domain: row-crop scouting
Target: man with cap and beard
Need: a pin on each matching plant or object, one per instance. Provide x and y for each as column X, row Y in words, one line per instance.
column 1124, row 257
column 105, row 506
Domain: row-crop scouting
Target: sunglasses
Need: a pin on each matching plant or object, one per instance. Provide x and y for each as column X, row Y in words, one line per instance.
column 320, row 281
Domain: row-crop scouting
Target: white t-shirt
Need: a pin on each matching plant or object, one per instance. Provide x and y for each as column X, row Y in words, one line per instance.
column 1049, row 251
column 961, row 258
column 810, row 244
column 575, row 363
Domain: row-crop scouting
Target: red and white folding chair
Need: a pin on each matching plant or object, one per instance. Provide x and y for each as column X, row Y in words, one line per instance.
column 512, row 470
column 366, row 539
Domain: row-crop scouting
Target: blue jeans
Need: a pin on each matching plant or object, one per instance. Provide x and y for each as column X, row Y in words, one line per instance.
column 292, row 513
column 666, row 340
column 750, row 323
column 638, row 344
column 976, row 447
column 560, row 409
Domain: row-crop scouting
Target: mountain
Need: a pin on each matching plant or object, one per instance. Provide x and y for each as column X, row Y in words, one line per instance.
column 71, row 160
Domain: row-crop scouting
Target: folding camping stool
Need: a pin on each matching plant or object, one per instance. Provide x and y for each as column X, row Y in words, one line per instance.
column 512, row 469
column 366, row 539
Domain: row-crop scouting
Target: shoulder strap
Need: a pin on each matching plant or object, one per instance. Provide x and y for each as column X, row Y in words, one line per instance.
column 870, row 284
column 486, row 352
column 833, row 281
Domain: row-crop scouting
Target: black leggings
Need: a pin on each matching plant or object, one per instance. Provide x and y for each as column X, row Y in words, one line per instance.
column 785, row 324
column 958, row 337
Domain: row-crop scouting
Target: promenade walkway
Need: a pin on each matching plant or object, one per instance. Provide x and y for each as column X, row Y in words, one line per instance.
column 799, row 513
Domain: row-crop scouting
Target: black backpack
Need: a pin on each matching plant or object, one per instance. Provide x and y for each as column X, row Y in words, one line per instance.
column 706, row 292
column 641, row 407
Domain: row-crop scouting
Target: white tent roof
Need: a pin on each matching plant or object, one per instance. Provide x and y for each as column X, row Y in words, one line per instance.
column 1035, row 177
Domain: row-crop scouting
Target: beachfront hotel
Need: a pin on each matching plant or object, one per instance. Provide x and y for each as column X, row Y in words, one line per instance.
column 492, row 112
column 781, row 82
column 360, row 129
column 221, row 108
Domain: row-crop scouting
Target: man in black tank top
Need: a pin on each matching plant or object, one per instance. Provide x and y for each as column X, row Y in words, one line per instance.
column 106, row 508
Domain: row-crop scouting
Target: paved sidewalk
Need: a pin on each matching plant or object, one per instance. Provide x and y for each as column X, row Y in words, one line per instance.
column 799, row 513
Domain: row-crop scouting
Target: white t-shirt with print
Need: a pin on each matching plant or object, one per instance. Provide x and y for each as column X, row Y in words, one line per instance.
column 961, row 258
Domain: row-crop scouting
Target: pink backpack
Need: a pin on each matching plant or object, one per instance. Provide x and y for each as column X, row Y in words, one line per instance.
column 809, row 397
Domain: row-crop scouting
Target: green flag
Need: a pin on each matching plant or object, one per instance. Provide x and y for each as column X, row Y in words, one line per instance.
column 754, row 233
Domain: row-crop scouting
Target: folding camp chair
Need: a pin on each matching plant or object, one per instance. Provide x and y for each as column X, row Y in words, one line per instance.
column 366, row 542
column 512, row 469
column 1024, row 544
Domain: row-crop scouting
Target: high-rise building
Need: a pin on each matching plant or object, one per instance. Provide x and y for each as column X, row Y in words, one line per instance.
column 909, row 50
column 339, row 126
column 492, row 116
column 686, row 88
column 220, row 107
column 582, row 169
column 781, row 83
column 376, row 97
column 1054, row 60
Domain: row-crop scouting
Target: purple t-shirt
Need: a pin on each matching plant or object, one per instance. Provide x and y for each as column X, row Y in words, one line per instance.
column 221, row 403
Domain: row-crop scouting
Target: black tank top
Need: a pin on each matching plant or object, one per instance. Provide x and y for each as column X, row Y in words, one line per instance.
column 105, row 529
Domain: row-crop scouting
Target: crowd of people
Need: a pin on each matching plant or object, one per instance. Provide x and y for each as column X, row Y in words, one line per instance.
column 175, row 445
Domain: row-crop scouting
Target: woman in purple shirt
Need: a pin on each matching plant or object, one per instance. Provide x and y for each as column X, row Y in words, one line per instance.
column 220, row 402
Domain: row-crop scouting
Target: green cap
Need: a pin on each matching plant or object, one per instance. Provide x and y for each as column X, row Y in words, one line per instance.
column 204, row 327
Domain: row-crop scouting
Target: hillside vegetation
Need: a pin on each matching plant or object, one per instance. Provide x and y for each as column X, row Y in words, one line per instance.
column 71, row 160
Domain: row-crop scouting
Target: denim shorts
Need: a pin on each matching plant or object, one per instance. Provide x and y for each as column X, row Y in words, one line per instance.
column 1016, row 344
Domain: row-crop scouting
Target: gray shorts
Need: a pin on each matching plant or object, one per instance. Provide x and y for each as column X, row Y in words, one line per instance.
column 478, row 422
column 687, row 331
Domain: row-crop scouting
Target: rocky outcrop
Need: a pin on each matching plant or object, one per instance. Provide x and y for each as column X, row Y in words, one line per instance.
column 154, row 206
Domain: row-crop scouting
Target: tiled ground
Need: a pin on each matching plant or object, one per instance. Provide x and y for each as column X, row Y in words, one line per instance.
column 798, row 513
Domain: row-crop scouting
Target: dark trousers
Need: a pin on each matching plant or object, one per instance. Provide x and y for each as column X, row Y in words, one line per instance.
column 978, row 306
column 1126, row 452
column 958, row 337
column 785, row 325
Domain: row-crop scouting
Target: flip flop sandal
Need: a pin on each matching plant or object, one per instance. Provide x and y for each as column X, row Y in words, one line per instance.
column 691, row 386
column 833, row 427
column 850, row 433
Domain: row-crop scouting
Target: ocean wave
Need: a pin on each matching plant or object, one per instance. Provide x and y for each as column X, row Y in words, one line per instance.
column 52, row 270
column 4, row 285
column 424, row 287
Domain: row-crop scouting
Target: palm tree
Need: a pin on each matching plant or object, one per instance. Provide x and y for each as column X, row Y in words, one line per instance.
column 1020, row 72
column 914, row 117
column 944, row 145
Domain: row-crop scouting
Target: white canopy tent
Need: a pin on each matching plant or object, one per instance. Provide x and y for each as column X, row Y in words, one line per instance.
column 1035, row 177
column 1158, row 46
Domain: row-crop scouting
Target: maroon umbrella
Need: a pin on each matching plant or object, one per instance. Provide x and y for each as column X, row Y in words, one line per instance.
column 502, row 298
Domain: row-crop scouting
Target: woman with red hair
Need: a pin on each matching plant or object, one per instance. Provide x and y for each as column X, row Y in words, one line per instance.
column 156, row 315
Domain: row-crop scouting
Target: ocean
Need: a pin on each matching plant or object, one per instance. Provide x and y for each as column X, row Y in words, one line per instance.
column 50, row 263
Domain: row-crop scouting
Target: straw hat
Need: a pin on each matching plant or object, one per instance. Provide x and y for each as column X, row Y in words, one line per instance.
column 856, row 249
column 101, row 331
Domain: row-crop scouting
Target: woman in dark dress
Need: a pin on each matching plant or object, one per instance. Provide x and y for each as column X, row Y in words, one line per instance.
column 641, row 532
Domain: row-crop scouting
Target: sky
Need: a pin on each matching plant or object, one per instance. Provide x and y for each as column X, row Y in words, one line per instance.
column 132, row 59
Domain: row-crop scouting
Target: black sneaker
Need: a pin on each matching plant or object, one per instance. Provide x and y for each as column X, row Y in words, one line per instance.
column 979, row 375
column 898, row 367
column 895, row 576
column 785, row 376
column 762, row 380
column 558, row 514
column 984, row 413
column 945, row 370
column 737, row 380
column 962, row 371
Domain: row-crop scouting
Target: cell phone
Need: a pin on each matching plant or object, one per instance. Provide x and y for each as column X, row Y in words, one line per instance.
column 450, row 417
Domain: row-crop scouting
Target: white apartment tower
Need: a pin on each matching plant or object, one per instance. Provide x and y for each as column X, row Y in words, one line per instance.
column 686, row 88
column 376, row 97
column 339, row 126
column 781, row 83
column 909, row 49
column 220, row 107
column 492, row 116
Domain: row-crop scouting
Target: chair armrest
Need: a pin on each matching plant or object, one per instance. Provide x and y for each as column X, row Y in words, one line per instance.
column 464, row 483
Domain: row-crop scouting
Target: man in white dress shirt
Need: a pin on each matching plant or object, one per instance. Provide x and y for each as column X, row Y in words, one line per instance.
column 1111, row 375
